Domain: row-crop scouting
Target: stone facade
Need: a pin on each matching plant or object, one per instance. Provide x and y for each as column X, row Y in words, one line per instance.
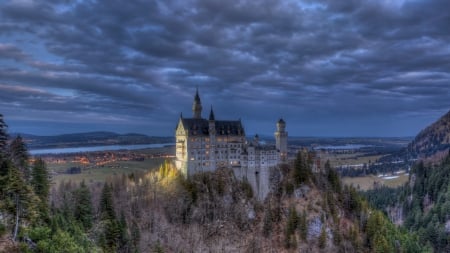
column 207, row 144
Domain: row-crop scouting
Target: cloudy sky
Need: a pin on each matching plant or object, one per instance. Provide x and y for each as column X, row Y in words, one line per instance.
column 329, row 68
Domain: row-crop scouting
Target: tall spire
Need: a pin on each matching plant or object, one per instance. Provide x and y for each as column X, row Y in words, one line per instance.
column 211, row 114
column 197, row 106
column 197, row 97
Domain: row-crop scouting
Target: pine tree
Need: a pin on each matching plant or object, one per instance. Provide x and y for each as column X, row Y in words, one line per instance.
column 302, row 172
column 124, row 237
column 291, row 226
column 333, row 178
column 40, row 179
column 323, row 237
column 3, row 138
column 19, row 156
column 21, row 201
column 83, row 211
column 106, row 204
column 111, row 235
column 109, row 239
column 135, row 237
column 292, row 222
column 303, row 226
column 41, row 185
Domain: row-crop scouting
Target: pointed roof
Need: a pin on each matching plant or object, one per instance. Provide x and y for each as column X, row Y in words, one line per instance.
column 197, row 106
column 200, row 127
column 211, row 114
column 197, row 97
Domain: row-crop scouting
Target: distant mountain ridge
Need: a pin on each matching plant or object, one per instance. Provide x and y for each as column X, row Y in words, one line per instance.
column 91, row 139
column 433, row 142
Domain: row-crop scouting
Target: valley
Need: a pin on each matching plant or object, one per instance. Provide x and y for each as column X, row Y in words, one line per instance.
column 344, row 154
column 314, row 203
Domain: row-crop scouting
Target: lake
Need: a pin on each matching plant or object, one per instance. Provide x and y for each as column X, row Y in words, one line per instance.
column 96, row 148
column 343, row 147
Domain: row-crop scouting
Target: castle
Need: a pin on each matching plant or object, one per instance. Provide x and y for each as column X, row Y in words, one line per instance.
column 207, row 144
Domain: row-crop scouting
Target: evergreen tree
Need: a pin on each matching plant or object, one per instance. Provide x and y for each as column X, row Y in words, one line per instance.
column 303, row 226
column 292, row 220
column 106, row 204
column 40, row 179
column 110, row 238
column 291, row 226
column 83, row 211
column 3, row 138
column 20, row 199
column 41, row 185
column 333, row 178
column 124, row 237
column 135, row 237
column 323, row 237
column 19, row 156
column 302, row 171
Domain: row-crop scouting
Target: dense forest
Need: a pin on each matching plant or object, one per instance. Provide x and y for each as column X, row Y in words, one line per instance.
column 161, row 211
column 422, row 205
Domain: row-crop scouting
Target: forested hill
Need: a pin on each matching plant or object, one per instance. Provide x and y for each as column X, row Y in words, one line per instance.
column 90, row 139
column 433, row 141
column 422, row 205
column 162, row 211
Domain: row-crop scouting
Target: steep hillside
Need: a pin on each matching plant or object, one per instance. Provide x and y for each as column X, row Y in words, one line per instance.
column 422, row 205
column 305, row 212
column 160, row 211
column 215, row 212
column 432, row 142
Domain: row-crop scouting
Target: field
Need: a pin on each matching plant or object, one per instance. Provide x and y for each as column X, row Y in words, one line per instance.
column 152, row 158
column 358, row 159
column 368, row 182
column 100, row 171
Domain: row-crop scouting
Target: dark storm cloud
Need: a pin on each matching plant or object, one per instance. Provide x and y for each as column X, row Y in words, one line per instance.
column 349, row 64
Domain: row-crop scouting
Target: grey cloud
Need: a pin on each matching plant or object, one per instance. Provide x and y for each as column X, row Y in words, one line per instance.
column 311, row 59
column 12, row 52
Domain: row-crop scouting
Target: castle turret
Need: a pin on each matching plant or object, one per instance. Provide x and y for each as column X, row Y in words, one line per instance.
column 281, row 139
column 256, row 140
column 212, row 140
column 197, row 107
column 211, row 115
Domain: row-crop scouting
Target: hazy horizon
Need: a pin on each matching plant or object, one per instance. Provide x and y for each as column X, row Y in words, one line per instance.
column 247, row 135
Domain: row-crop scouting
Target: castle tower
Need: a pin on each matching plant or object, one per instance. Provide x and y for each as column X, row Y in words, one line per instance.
column 281, row 139
column 197, row 106
column 181, row 161
column 212, row 140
